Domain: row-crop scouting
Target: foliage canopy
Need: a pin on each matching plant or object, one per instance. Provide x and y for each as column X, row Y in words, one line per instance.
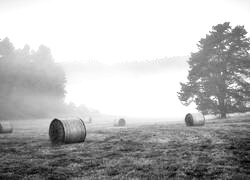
column 218, row 79
column 31, row 83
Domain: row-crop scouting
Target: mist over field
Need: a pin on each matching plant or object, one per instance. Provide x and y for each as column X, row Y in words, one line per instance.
column 137, row 89
column 110, row 55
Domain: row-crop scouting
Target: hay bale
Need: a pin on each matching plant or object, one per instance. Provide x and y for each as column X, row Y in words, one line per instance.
column 90, row 120
column 67, row 131
column 120, row 122
column 194, row 119
column 5, row 127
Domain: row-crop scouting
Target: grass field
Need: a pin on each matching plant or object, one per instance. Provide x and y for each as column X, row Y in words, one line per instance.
column 218, row 150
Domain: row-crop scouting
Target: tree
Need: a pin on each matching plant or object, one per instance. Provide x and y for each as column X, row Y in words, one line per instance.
column 218, row 79
column 31, row 83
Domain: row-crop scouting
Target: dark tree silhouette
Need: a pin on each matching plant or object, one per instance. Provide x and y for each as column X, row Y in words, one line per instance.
column 218, row 79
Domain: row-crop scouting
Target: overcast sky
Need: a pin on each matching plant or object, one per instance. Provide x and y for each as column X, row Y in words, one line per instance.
column 113, row 31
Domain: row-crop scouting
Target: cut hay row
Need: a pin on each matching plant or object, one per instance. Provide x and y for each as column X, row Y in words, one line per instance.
column 74, row 130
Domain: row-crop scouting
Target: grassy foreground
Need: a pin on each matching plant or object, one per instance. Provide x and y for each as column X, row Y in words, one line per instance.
column 218, row 150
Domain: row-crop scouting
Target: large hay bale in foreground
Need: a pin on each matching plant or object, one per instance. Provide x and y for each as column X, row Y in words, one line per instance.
column 120, row 122
column 67, row 131
column 194, row 119
column 5, row 127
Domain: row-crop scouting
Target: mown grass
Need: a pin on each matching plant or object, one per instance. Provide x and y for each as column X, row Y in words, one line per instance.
column 218, row 150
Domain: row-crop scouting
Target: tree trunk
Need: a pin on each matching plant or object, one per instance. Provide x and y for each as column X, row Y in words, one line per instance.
column 222, row 107
column 223, row 115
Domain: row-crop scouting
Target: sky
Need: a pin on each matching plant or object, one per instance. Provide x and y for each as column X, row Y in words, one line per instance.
column 114, row 31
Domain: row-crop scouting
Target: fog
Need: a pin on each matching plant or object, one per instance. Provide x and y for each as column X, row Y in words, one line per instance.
column 124, row 37
column 141, row 89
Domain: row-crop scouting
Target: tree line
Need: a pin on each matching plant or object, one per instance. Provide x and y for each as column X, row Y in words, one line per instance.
column 32, row 85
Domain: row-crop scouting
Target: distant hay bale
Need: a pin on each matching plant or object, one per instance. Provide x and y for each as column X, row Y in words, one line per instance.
column 5, row 127
column 194, row 119
column 67, row 131
column 90, row 120
column 120, row 122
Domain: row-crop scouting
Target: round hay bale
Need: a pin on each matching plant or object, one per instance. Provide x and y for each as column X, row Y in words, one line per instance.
column 67, row 131
column 90, row 120
column 120, row 122
column 6, row 127
column 194, row 119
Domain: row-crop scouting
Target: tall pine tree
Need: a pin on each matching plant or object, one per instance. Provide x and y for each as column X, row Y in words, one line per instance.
column 219, row 75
